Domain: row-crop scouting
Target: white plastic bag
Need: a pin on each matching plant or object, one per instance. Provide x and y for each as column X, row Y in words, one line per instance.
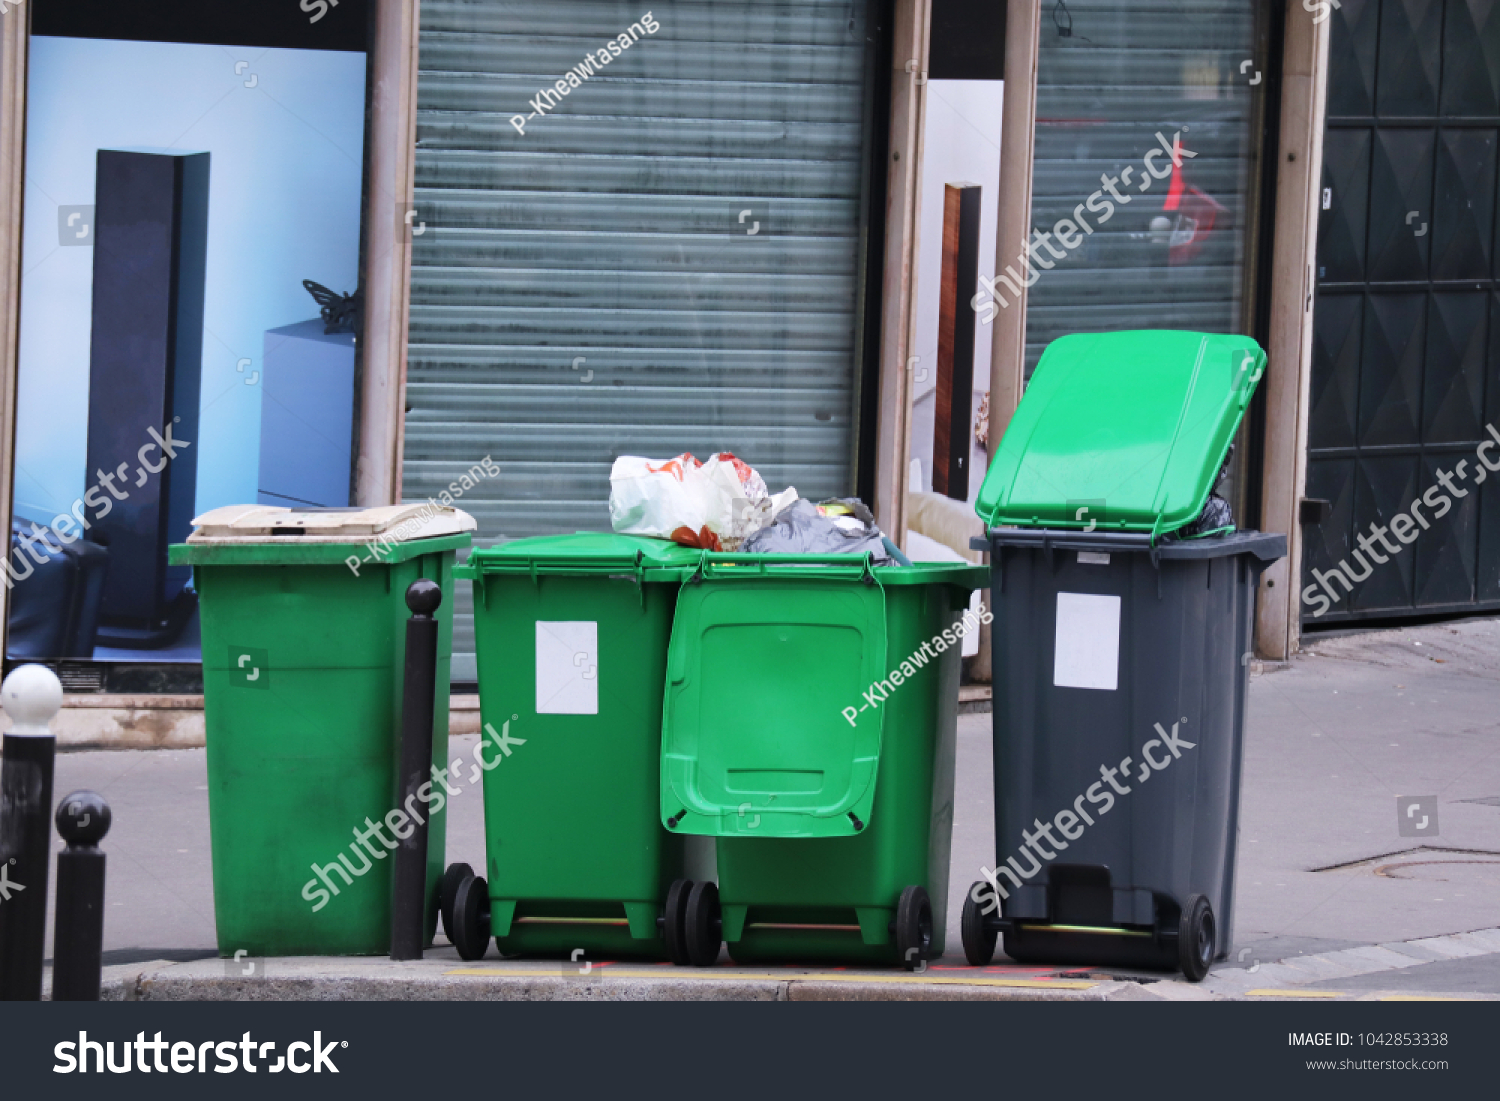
column 738, row 504
column 716, row 505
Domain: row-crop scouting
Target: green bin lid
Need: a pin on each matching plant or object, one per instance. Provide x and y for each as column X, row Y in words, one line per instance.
column 1121, row 431
column 766, row 652
column 585, row 552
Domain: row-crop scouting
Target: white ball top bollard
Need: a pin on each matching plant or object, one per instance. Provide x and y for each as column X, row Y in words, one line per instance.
column 31, row 695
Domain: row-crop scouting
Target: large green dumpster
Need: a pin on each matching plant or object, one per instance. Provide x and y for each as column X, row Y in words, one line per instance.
column 303, row 622
column 571, row 633
column 809, row 726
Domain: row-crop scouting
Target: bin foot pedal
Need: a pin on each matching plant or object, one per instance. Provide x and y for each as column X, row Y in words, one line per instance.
column 641, row 917
column 1098, row 930
column 875, row 924
column 539, row 920
column 732, row 917
column 502, row 913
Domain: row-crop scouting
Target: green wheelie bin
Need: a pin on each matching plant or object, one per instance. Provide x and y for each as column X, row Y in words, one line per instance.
column 809, row 725
column 571, row 633
column 304, row 619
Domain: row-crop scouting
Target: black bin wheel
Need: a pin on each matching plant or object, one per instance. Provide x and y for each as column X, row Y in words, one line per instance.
column 914, row 927
column 471, row 918
column 703, row 925
column 1197, row 938
column 979, row 942
column 448, row 891
column 674, row 921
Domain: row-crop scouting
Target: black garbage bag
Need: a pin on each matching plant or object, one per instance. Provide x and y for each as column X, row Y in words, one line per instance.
column 1216, row 515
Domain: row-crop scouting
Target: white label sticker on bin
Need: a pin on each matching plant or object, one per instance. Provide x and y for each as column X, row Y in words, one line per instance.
column 1092, row 558
column 567, row 667
column 1088, row 641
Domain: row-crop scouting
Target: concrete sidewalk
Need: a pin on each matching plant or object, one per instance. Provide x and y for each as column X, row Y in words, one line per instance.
column 1329, row 890
column 442, row 976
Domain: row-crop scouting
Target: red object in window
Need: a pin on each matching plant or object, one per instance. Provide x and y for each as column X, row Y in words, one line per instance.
column 1174, row 189
column 1196, row 215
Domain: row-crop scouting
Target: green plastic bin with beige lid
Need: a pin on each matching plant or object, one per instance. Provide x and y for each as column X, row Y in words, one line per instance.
column 303, row 624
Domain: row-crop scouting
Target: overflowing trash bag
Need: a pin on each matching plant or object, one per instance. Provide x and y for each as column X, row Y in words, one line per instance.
column 1217, row 518
column 837, row 526
column 723, row 505
column 714, row 505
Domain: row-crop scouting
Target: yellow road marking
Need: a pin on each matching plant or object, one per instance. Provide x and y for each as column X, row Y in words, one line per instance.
column 683, row 973
column 1294, row 993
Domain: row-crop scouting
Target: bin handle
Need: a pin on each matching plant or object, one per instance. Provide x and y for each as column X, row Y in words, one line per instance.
column 564, row 565
column 727, row 565
column 570, row 567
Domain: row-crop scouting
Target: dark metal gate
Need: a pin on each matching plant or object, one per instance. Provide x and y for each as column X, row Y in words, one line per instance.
column 1406, row 346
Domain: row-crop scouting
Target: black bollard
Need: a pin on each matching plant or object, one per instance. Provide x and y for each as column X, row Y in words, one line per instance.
column 419, row 693
column 78, row 929
column 31, row 695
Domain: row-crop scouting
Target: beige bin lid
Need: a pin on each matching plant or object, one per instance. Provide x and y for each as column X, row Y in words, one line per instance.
column 257, row 523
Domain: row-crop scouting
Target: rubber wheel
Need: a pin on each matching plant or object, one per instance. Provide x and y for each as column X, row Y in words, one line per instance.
column 914, row 927
column 703, row 925
column 1197, row 938
column 448, row 891
column 674, row 921
column 979, row 942
column 471, row 918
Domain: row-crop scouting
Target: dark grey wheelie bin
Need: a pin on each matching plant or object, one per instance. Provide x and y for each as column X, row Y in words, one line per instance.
column 1121, row 646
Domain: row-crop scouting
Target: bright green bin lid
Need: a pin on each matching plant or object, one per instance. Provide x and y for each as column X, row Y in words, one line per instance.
column 585, row 553
column 1132, row 427
column 766, row 652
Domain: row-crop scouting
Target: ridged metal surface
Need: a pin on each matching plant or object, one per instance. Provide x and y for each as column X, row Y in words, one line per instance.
column 588, row 289
column 1128, row 70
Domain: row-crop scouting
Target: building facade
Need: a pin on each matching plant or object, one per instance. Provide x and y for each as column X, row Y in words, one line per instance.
column 590, row 229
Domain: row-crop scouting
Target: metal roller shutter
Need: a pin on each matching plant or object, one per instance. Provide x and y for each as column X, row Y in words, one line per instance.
column 1111, row 74
column 593, row 286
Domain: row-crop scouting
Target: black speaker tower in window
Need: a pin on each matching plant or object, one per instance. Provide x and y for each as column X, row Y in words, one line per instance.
column 145, row 365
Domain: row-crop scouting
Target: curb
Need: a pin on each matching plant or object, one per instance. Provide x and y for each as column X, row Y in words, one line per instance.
column 326, row 979
column 443, row 977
